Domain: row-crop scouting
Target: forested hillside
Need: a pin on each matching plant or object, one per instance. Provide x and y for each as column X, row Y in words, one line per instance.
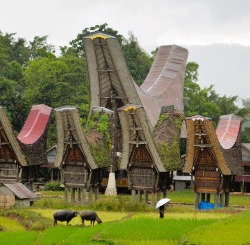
column 30, row 73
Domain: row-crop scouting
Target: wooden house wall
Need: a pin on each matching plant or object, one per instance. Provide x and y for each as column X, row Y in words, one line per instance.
column 141, row 172
column 7, row 198
column 207, row 175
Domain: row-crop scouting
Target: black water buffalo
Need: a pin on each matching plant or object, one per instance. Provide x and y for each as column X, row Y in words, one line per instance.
column 64, row 215
column 90, row 215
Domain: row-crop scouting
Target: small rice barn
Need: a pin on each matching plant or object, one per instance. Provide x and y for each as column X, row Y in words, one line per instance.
column 16, row 194
column 78, row 170
column 206, row 163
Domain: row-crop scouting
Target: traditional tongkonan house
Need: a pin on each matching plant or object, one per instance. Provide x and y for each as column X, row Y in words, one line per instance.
column 139, row 108
column 12, row 159
column 79, row 171
column 33, row 141
column 206, row 163
column 146, row 171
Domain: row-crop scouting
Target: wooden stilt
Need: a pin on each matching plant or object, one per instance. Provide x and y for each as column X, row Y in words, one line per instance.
column 216, row 200
column 84, row 191
column 164, row 193
column 96, row 193
column 78, row 194
column 66, row 199
column 133, row 196
column 90, row 194
column 222, row 199
column 203, row 195
column 146, row 197
column 140, row 196
column 197, row 200
column 158, row 195
column 153, row 198
column 72, row 194
column 208, row 197
column 226, row 199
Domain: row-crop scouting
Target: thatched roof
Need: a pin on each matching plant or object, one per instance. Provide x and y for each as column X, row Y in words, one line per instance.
column 69, row 131
column 9, row 138
column 197, row 141
column 135, row 130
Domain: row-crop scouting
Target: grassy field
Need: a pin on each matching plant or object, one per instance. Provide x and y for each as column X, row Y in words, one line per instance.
column 123, row 224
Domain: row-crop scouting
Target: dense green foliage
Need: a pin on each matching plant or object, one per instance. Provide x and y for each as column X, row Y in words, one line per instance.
column 100, row 145
column 169, row 149
column 31, row 74
column 53, row 186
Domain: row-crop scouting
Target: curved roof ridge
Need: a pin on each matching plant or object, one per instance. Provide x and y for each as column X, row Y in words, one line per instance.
column 35, row 124
column 228, row 130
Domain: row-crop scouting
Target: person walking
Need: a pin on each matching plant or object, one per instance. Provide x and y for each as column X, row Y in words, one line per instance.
column 161, row 210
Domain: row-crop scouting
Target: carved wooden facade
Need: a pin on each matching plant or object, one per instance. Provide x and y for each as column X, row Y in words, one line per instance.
column 205, row 162
column 139, row 155
column 78, row 169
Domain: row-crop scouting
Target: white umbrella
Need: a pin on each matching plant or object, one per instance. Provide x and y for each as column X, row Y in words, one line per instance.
column 162, row 202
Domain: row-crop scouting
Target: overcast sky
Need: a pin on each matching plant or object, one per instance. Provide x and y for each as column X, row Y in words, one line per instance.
column 189, row 23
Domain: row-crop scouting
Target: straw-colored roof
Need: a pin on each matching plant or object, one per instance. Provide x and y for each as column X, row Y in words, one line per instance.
column 10, row 137
column 69, row 129
column 208, row 135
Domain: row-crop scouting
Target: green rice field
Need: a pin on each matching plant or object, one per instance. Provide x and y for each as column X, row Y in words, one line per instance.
column 182, row 225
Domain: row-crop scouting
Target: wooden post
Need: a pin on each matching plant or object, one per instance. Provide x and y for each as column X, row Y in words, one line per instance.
column 72, row 194
column 222, row 199
column 197, row 200
column 226, row 199
column 208, row 197
column 96, row 193
column 216, row 200
column 153, row 198
column 90, row 194
column 140, row 196
column 84, row 195
column 66, row 199
column 146, row 197
column 78, row 194
column 203, row 195
column 52, row 173
column 133, row 196
column 164, row 193
column 158, row 195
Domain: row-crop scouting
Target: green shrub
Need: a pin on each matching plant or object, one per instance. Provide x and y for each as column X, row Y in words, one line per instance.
column 53, row 186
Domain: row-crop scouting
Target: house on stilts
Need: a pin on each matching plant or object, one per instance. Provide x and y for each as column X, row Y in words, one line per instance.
column 137, row 111
column 78, row 170
column 206, row 163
